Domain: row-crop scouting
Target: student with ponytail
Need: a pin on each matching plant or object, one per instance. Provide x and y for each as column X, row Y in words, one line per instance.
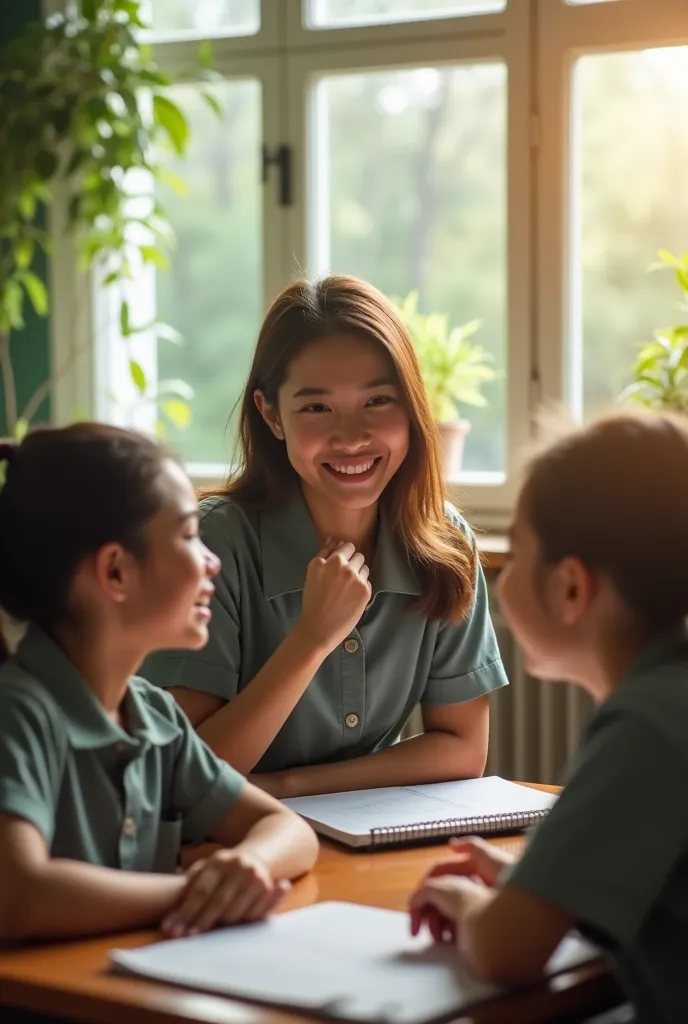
column 596, row 593
column 101, row 775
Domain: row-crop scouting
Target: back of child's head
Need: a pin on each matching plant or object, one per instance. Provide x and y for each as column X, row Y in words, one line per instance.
column 615, row 496
column 67, row 492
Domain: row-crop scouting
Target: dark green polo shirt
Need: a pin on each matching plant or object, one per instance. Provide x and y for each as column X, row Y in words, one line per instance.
column 95, row 792
column 364, row 692
column 613, row 853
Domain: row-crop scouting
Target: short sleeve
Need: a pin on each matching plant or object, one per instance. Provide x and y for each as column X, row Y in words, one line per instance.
column 466, row 662
column 215, row 668
column 203, row 789
column 33, row 749
column 614, row 837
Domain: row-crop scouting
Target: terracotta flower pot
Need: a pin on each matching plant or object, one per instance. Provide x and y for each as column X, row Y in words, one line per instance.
column 452, row 441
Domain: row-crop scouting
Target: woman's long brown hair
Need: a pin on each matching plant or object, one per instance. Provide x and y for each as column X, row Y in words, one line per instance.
column 439, row 552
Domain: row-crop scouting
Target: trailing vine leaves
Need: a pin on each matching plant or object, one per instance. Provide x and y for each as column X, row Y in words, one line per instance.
column 84, row 105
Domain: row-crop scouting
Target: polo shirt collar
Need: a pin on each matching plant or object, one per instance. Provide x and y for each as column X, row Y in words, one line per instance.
column 88, row 725
column 289, row 542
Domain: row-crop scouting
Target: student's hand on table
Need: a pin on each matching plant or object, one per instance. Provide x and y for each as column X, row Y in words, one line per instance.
column 335, row 595
column 473, row 858
column 228, row 887
column 441, row 905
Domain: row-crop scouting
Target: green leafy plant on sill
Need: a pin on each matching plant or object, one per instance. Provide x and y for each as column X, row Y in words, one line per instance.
column 84, row 107
column 454, row 368
column 660, row 372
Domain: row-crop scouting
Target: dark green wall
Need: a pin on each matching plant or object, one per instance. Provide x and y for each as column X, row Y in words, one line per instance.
column 30, row 347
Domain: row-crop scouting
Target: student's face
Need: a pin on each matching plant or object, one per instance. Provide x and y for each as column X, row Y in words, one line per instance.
column 169, row 593
column 341, row 415
column 536, row 602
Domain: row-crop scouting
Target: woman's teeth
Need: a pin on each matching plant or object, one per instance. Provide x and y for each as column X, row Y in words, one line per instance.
column 351, row 470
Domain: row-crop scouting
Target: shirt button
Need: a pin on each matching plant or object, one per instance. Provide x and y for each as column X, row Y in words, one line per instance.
column 352, row 720
column 129, row 828
column 351, row 646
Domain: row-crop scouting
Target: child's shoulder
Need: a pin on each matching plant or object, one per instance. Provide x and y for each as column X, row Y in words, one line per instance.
column 657, row 696
column 224, row 522
column 27, row 704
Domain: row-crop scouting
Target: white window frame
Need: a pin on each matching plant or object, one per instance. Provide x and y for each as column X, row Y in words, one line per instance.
column 565, row 33
column 539, row 40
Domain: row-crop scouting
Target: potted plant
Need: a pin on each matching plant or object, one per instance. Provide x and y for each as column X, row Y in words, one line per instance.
column 660, row 372
column 454, row 370
column 84, row 107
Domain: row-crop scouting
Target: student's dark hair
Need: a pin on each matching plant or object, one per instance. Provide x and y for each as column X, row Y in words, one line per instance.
column 309, row 311
column 615, row 495
column 67, row 492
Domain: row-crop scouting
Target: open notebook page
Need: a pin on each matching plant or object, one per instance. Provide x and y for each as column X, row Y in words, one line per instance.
column 337, row 959
column 356, row 814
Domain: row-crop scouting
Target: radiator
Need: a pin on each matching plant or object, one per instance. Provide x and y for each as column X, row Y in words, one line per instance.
column 534, row 725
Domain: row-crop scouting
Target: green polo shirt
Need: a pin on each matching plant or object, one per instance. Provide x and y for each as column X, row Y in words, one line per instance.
column 360, row 699
column 95, row 792
column 613, row 853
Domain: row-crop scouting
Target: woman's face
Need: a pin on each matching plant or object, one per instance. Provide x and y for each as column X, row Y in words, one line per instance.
column 341, row 414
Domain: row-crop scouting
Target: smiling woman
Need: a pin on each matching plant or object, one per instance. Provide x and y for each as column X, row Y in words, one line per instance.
column 350, row 589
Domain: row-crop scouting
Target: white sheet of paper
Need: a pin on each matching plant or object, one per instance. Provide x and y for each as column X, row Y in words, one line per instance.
column 359, row 812
column 342, row 960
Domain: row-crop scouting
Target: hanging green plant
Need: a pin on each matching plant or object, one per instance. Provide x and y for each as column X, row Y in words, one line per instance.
column 84, row 105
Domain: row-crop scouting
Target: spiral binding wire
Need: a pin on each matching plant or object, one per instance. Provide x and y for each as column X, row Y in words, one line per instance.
column 480, row 825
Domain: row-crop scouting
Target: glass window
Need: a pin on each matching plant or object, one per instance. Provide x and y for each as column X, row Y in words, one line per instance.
column 212, row 293
column 204, row 18
column 346, row 13
column 418, row 201
column 630, row 200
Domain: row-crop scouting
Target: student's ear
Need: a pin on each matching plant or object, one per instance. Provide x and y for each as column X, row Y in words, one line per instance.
column 269, row 413
column 114, row 569
column 576, row 589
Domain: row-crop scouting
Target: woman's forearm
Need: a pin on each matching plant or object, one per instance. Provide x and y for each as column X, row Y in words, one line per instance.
column 64, row 898
column 241, row 731
column 431, row 757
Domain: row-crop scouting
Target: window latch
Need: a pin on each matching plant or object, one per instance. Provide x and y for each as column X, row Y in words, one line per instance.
column 281, row 158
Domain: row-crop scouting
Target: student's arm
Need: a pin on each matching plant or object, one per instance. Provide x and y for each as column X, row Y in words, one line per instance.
column 601, row 859
column 45, row 898
column 242, row 730
column 507, row 936
column 454, row 746
column 335, row 594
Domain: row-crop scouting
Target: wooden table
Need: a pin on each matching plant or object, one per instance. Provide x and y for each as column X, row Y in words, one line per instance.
column 71, row 979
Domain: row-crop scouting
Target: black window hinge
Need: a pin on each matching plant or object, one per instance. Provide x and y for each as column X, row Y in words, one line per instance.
column 281, row 158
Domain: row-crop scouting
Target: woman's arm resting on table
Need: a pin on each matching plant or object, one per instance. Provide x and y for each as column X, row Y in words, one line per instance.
column 45, row 898
column 454, row 746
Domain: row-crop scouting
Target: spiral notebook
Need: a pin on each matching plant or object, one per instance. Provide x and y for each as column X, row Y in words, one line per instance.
column 419, row 814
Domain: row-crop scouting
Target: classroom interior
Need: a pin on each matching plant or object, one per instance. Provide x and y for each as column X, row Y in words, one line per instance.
column 514, row 170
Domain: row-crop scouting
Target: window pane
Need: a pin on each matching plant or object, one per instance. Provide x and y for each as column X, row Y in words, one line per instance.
column 631, row 154
column 204, row 17
column 341, row 13
column 419, row 202
column 213, row 292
